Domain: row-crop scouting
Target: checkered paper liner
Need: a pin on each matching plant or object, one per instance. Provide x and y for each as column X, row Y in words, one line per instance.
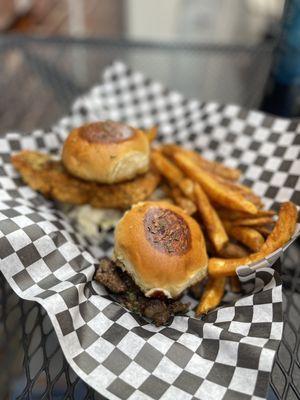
column 228, row 354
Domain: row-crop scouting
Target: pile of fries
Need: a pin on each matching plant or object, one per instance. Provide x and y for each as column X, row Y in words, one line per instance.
column 238, row 231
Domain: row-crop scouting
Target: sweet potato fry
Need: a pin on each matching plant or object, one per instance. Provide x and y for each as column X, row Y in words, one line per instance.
column 282, row 232
column 211, row 166
column 250, row 237
column 260, row 221
column 212, row 295
column 235, row 284
column 215, row 190
column 233, row 250
column 214, row 227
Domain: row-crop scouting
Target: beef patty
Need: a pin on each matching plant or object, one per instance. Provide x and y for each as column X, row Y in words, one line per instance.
column 158, row 310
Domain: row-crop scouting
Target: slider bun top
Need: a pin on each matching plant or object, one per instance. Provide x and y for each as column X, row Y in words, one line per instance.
column 161, row 248
column 106, row 152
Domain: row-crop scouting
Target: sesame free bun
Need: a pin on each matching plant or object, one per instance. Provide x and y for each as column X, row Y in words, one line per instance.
column 161, row 248
column 106, row 152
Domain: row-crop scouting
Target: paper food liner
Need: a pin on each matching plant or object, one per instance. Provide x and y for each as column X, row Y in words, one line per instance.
column 227, row 355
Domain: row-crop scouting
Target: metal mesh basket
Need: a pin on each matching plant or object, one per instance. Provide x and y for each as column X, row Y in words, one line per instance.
column 31, row 361
column 35, row 368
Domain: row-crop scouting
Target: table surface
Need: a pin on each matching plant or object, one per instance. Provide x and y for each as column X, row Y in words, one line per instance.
column 39, row 78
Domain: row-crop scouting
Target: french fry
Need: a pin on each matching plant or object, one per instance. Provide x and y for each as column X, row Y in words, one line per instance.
column 152, row 134
column 170, row 171
column 186, row 204
column 250, row 196
column 246, row 192
column 187, row 188
column 256, row 200
column 214, row 227
column 173, row 174
column 264, row 230
column 282, row 232
column 235, row 284
column 266, row 213
column 236, row 186
column 215, row 190
column 283, row 229
column 250, row 237
column 239, row 186
column 260, row 221
column 212, row 295
column 211, row 166
column 232, row 214
column 170, row 149
column 233, row 250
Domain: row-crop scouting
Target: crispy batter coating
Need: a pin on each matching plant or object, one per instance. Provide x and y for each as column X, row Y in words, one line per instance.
column 49, row 177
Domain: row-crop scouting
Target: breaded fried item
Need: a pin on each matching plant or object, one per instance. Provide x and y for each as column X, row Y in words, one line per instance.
column 48, row 176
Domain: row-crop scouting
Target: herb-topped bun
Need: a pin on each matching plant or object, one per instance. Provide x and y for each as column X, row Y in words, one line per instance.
column 106, row 152
column 161, row 248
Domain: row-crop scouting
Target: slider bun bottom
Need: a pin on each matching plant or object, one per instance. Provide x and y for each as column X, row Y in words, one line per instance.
column 152, row 270
column 103, row 162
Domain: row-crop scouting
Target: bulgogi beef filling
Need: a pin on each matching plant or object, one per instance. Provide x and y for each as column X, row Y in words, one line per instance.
column 128, row 293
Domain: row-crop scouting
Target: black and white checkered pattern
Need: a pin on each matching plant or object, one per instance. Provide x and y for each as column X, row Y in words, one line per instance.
column 227, row 355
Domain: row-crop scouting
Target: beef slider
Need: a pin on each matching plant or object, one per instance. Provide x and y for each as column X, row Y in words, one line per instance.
column 126, row 292
column 106, row 152
column 161, row 247
column 159, row 252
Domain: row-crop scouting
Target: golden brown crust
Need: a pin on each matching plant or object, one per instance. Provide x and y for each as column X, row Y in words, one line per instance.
column 89, row 154
column 49, row 177
column 155, row 270
column 280, row 235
